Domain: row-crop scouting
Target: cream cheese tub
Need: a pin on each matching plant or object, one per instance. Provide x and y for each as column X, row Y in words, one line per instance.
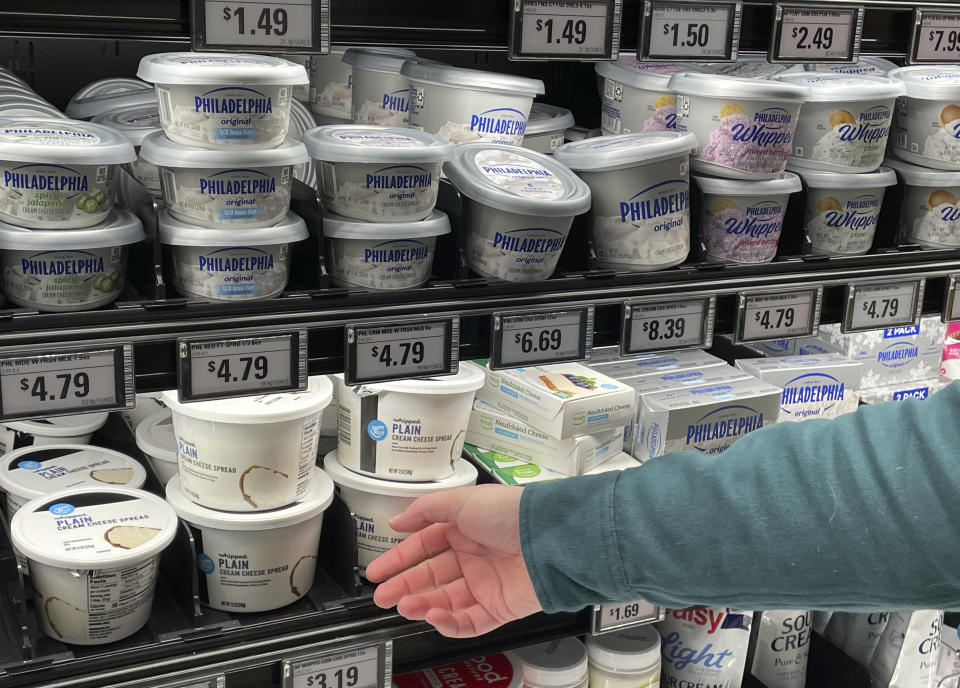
column 518, row 209
column 212, row 100
column 78, row 270
column 626, row 659
column 747, row 66
column 302, row 92
column 249, row 453
column 745, row 127
column 397, row 255
column 146, row 406
column 641, row 196
column 225, row 189
column 556, row 664
column 546, row 128
column 844, row 125
column 867, row 65
column 377, row 174
column 256, row 562
column 930, row 211
column 236, row 265
column 498, row 670
column 156, row 439
column 331, row 81
column 926, row 123
column 470, row 105
column 43, row 431
column 59, row 174
column 373, row 502
column 741, row 221
column 636, row 96
column 136, row 124
column 842, row 209
column 380, row 94
column 408, row 430
column 113, row 93
column 10, row 107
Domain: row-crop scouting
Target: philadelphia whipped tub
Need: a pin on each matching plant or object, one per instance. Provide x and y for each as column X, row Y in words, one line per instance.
column 636, row 96
column 930, row 212
column 926, row 123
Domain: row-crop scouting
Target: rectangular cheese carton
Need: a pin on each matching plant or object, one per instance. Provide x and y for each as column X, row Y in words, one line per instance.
column 653, row 364
column 509, row 471
column 918, row 389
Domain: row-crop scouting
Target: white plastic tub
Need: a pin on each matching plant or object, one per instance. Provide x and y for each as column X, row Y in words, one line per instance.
column 636, row 95
column 397, row 255
column 380, row 94
column 63, row 271
column 156, row 439
column 146, row 406
column 136, row 124
column 518, row 209
column 106, row 95
column 373, row 502
column 59, row 174
column 331, row 82
column 408, row 430
column 236, row 265
column 556, row 664
column 225, row 189
column 926, row 123
column 302, row 92
column 641, row 196
column 249, row 453
column 256, row 562
column 43, row 431
column 546, row 128
column 930, row 212
column 747, row 66
column 469, row 105
column 625, row 659
column 94, row 558
column 867, row 65
column 377, row 174
column 212, row 100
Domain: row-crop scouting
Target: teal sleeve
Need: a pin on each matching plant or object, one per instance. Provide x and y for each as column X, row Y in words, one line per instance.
column 858, row 513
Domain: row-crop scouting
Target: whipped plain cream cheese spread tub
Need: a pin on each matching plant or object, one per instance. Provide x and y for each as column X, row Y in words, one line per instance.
column 42, row 431
column 518, row 209
column 211, row 100
column 94, row 555
column 255, row 562
column 625, row 659
column 156, row 439
column 136, row 124
column 377, row 174
column 557, row 664
column 930, row 212
column 641, row 196
column 249, row 453
column 546, row 127
column 380, row 94
column 926, row 123
column 636, row 96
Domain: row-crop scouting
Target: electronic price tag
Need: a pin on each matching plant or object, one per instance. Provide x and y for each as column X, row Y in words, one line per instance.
column 681, row 30
column 951, row 304
column 935, row 37
column 262, row 26
column 395, row 351
column 585, row 30
column 619, row 616
column 816, row 33
column 648, row 326
column 208, row 681
column 530, row 338
column 778, row 315
column 363, row 666
column 882, row 305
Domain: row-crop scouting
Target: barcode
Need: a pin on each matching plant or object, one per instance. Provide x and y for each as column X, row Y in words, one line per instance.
column 343, row 425
column 168, row 183
column 328, row 179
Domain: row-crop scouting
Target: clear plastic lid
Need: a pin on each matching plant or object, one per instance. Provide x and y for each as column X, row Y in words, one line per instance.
column 747, row 66
column 176, row 233
column 867, row 64
column 220, row 68
column 831, row 88
column 611, row 152
column 121, row 228
column 632, row 650
column 468, row 378
column 930, row 82
column 555, row 664
column 90, row 106
column 161, row 151
column 472, row 78
column 135, row 123
column 786, row 183
column 263, row 408
column 63, row 141
column 365, row 143
column 914, row 175
column 23, row 109
column 155, row 436
column 654, row 76
column 819, row 179
column 545, row 118
column 337, row 227
column 464, row 473
column 733, row 87
column 60, row 426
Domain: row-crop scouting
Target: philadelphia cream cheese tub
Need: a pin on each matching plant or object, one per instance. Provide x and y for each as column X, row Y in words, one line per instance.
column 396, row 255
column 156, row 439
column 518, row 209
column 379, row 92
column 470, row 105
column 373, row 502
column 113, row 93
column 377, row 174
column 546, row 128
column 249, row 453
column 408, row 430
column 636, row 95
column 59, row 174
column 228, row 188
column 136, row 124
column 926, row 123
column 63, row 271
column 930, row 212
column 21, row 107
column 868, row 65
column 256, row 562
column 38, row 432
column 236, row 265
column 212, row 100
column 641, row 196
column 331, row 81
column 302, row 92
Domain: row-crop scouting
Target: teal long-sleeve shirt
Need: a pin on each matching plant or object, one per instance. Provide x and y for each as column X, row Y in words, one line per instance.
column 860, row 513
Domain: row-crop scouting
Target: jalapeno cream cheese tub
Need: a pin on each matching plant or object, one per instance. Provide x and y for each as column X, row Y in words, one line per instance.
column 518, row 209
column 926, row 123
column 546, row 128
column 58, row 272
column 636, row 95
column 136, row 124
column 377, row 174
column 930, row 212
column 59, row 174
column 496, row 670
column 156, row 439
column 641, row 197
column 212, row 100
column 43, row 431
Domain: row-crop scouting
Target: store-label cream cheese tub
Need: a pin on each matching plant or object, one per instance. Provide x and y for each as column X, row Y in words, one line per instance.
column 256, row 562
column 930, row 212
column 249, row 453
column 38, row 432
column 636, row 96
column 408, row 430
column 94, row 555
column 212, row 100
column 136, row 124
column 926, row 122
column 156, row 439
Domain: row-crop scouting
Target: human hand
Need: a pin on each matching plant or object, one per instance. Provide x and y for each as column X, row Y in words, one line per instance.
column 462, row 569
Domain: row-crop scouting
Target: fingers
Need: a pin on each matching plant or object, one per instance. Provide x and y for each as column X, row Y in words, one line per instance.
column 427, row 575
column 440, row 507
column 417, row 548
column 453, row 597
column 467, row 623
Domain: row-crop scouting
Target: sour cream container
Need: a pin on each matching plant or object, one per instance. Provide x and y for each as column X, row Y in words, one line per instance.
column 94, row 555
column 212, row 100
column 641, row 196
column 930, row 212
column 373, row 502
column 926, row 123
column 625, row 659
column 407, row 430
column 113, row 93
column 379, row 92
column 842, row 209
column 497, row 670
column 156, row 439
column 741, row 221
column 255, row 562
column 59, row 174
column 136, row 124
column 469, row 105
column 546, row 128
column 394, row 255
column 518, row 209
column 556, row 664
column 249, row 453
column 377, row 174
column 745, row 127
column 236, row 265
column 64, row 271
column 43, row 431
column 636, row 95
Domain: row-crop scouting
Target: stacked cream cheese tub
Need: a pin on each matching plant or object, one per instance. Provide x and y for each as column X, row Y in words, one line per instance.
column 226, row 170
column 637, row 96
column 18, row 99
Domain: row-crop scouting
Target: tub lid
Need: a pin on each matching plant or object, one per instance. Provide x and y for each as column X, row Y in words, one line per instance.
column 650, row 75
column 468, row 378
column 172, row 231
column 547, row 118
column 832, row 88
column 608, row 152
column 472, row 78
column 866, row 65
column 734, row 87
column 365, row 143
column 23, row 109
column 220, row 68
column 61, row 426
column 464, row 473
column 64, row 141
column 337, row 227
column 90, row 106
column 155, row 436
column 119, row 229
column 112, row 86
column 380, row 60
column 914, row 175
column 517, row 180
column 929, row 81
column 819, row 179
column 630, row 650
column 749, row 66
column 7, row 75
column 561, row 663
column 319, row 496
column 786, row 183
column 31, row 472
column 113, row 525
column 136, row 123
column 263, row 408
column 161, row 151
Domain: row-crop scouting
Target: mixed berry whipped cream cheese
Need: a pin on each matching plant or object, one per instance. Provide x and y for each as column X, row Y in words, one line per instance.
column 136, row 124
column 930, row 212
column 926, row 123
column 546, row 128
column 636, row 95
column 380, row 93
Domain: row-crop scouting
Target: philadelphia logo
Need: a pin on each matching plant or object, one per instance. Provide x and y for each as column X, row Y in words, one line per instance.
column 399, row 177
column 222, row 261
column 860, row 213
column 873, row 126
column 722, row 423
column 220, row 185
column 762, row 219
column 812, row 388
column 81, row 263
column 45, row 178
column 233, row 100
column 771, row 127
column 398, row 101
column 508, row 121
column 529, row 240
column 650, row 203
column 396, row 251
